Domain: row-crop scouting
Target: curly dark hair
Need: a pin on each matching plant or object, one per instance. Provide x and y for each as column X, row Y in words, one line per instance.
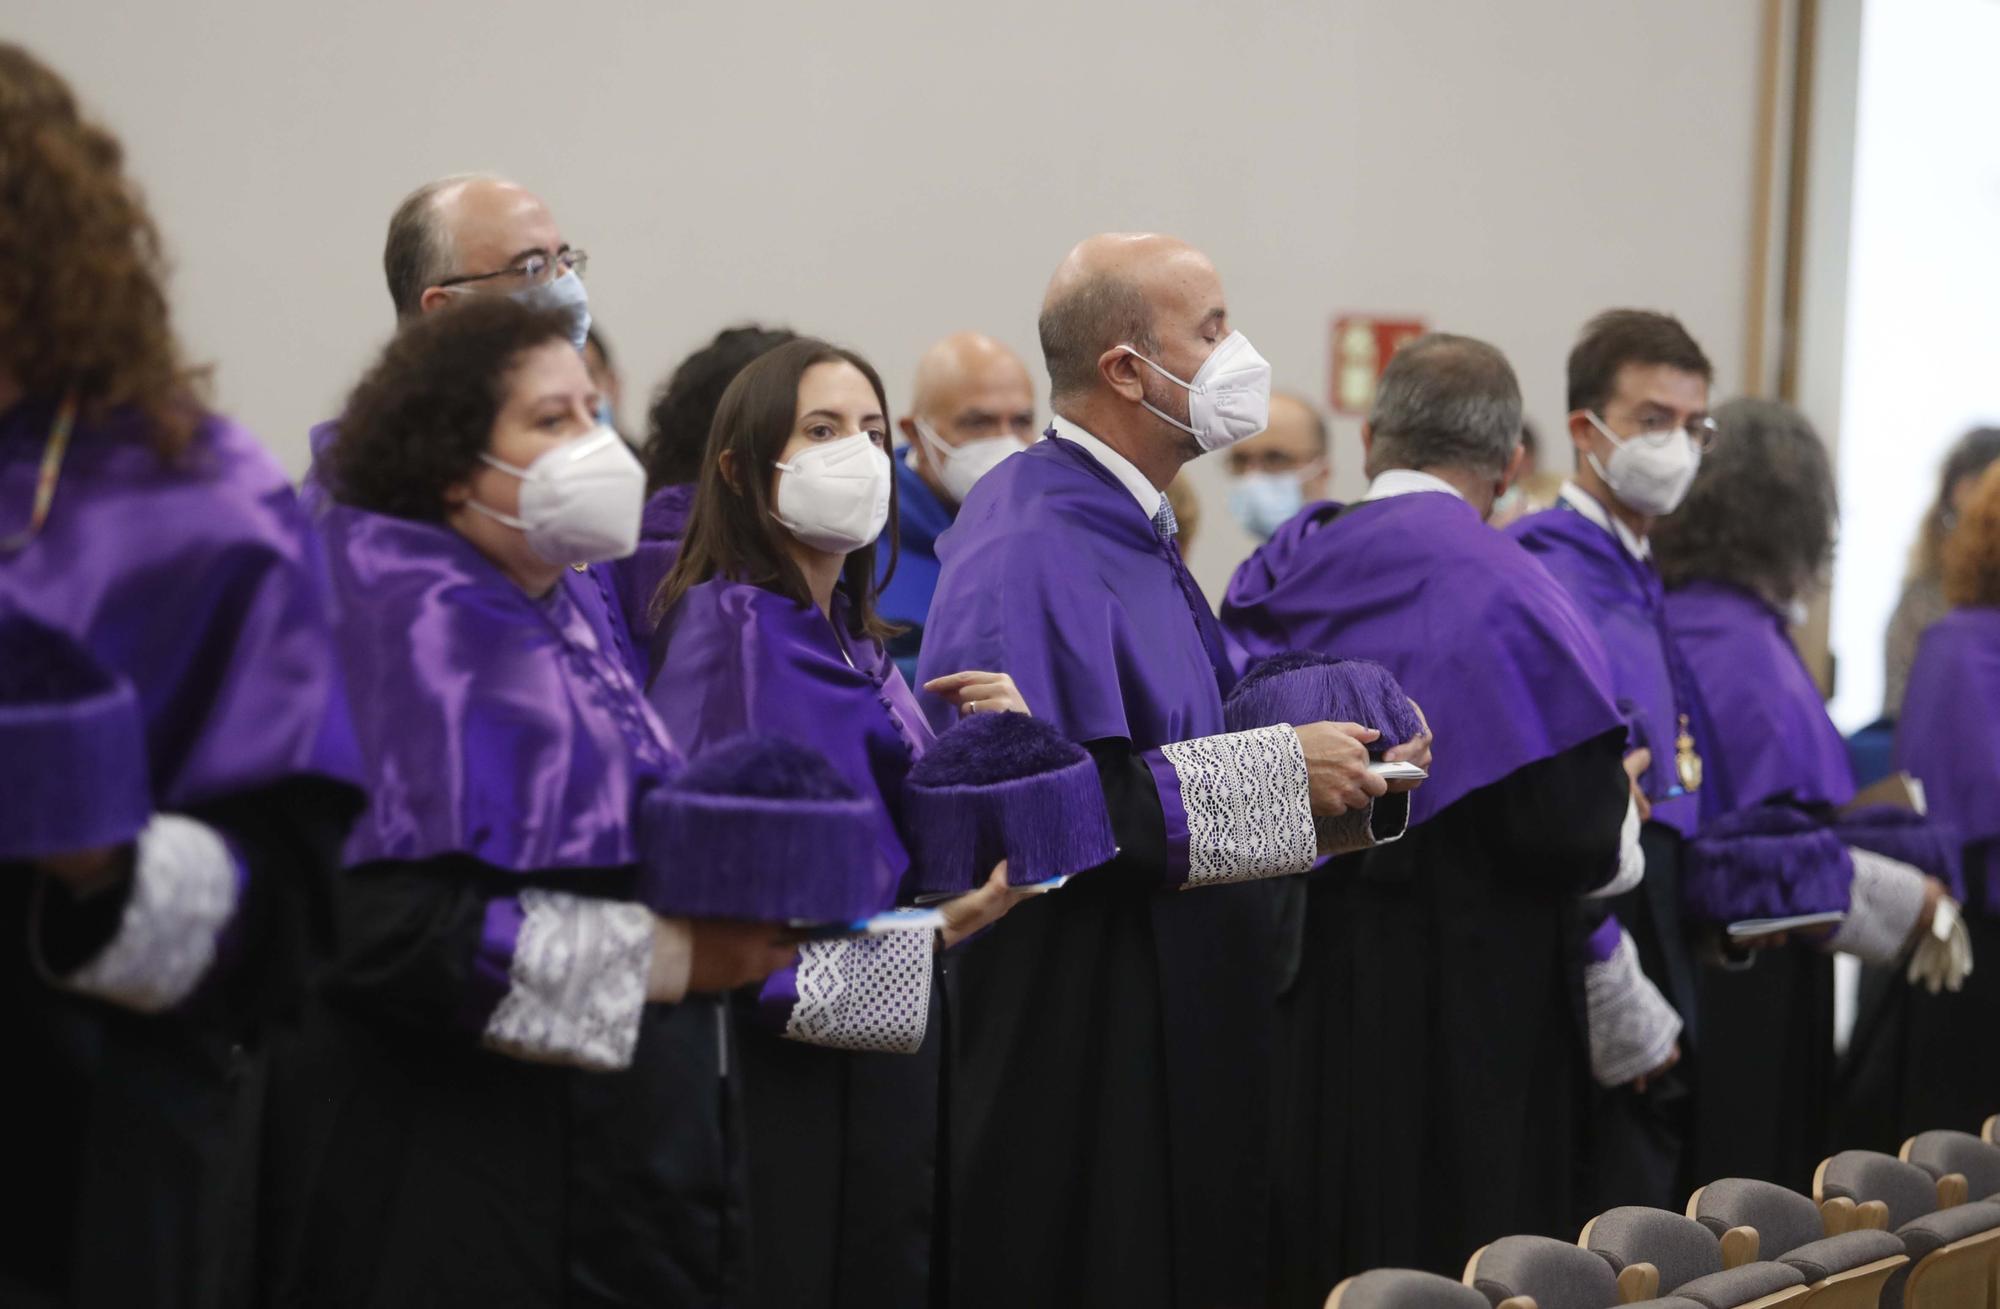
column 1972, row 551
column 683, row 408
column 731, row 531
column 83, row 305
column 1762, row 512
column 417, row 422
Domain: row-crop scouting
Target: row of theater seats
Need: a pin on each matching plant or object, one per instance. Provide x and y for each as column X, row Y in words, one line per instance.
column 1921, row 1231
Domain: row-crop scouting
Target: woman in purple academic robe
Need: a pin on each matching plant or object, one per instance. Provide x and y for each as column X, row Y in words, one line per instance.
column 514, row 1090
column 144, row 974
column 1753, row 538
column 771, row 629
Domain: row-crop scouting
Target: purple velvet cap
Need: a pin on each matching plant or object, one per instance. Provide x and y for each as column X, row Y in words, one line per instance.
column 1004, row 786
column 72, row 747
column 1898, row 833
column 762, row 829
column 1768, row 861
column 1299, row 687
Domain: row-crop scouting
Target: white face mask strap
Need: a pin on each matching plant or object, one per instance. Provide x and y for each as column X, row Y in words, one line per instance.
column 1617, row 441
column 1185, row 386
column 492, row 461
column 479, row 506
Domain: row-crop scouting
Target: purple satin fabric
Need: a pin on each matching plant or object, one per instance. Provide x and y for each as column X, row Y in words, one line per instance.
column 493, row 725
column 1622, row 597
column 1949, row 734
column 737, row 658
column 1505, row 668
column 635, row 579
column 1603, row 941
column 1054, row 575
column 1772, row 739
column 196, row 581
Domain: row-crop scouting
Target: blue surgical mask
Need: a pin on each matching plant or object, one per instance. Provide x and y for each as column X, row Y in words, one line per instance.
column 1264, row 502
column 565, row 292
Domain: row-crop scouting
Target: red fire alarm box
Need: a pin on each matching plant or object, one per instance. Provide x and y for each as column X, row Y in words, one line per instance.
column 1362, row 344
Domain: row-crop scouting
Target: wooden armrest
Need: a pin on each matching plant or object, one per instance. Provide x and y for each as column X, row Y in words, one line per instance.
column 1872, row 1216
column 1739, row 1247
column 1837, row 1216
column 1517, row 1302
column 1953, row 1190
column 1989, row 1131
column 1636, row 1282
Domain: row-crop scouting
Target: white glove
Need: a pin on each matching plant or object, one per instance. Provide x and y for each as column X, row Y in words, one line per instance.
column 1943, row 959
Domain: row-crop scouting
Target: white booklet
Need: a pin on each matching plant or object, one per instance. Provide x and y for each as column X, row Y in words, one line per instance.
column 1749, row 927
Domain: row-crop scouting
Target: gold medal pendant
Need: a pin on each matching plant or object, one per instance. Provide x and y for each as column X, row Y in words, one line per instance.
column 1687, row 762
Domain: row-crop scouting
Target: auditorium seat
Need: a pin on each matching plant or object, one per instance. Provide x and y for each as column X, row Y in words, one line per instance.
column 1961, row 1154
column 1656, row 1252
column 1846, row 1271
column 1549, row 1273
column 1403, row 1288
column 1952, row 1251
column 1990, row 1131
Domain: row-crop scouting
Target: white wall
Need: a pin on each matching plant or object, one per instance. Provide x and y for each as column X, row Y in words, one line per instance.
column 887, row 173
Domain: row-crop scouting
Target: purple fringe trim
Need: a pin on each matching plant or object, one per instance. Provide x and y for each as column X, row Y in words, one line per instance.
column 1299, row 687
column 760, row 859
column 1916, row 840
column 1765, row 862
column 1050, row 824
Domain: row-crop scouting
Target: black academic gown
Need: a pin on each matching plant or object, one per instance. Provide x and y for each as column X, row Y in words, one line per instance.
column 1433, row 1055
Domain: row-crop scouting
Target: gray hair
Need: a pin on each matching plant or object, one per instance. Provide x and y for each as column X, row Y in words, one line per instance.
column 419, row 252
column 1446, row 402
column 1100, row 312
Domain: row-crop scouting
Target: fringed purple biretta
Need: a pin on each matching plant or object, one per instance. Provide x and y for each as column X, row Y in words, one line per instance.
column 494, row 725
column 635, row 579
column 1949, row 734
column 1005, row 786
column 1898, row 833
column 72, row 747
column 195, row 579
column 729, row 836
column 739, row 659
column 1772, row 739
column 1507, row 670
column 1623, row 600
column 1767, row 861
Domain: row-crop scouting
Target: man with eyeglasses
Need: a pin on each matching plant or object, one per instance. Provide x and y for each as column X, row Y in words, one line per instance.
column 1638, row 415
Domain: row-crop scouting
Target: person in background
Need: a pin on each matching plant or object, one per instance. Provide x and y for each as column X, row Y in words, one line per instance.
column 513, row 1088
column 603, row 376
column 1449, row 963
column 1923, row 600
column 1109, row 1078
column 771, row 630
column 144, row 975
column 677, row 426
column 1638, row 398
column 1282, row 469
column 1753, row 540
column 974, row 405
column 1534, row 490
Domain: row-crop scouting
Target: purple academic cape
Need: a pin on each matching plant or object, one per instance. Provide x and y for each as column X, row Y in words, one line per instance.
column 635, row 579
column 494, row 725
column 1949, row 734
column 1622, row 597
column 1479, row 634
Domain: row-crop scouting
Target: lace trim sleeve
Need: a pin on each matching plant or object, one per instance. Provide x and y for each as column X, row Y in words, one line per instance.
column 1632, row 1027
column 1248, row 805
column 186, row 883
column 866, row 993
column 576, row 983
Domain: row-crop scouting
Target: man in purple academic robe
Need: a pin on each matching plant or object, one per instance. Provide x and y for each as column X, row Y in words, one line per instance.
column 1638, row 400
column 1450, row 965
column 1108, row 1101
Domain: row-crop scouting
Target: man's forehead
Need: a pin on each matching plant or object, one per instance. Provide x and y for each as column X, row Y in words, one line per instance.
column 496, row 222
column 1661, row 384
column 1185, row 283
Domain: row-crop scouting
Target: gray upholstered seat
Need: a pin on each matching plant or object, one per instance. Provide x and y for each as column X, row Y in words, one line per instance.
column 1821, row 1259
column 1938, row 1153
column 1932, row 1232
column 1784, row 1220
column 1864, row 1175
column 1681, row 1248
column 1558, row 1275
column 1402, row 1288
column 1740, row 1286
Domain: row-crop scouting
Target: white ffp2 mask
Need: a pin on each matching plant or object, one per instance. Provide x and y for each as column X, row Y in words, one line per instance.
column 1229, row 399
column 959, row 466
column 1649, row 476
column 835, row 497
column 580, row 502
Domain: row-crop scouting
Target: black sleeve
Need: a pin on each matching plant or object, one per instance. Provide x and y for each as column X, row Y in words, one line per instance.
column 1137, row 822
column 1560, row 819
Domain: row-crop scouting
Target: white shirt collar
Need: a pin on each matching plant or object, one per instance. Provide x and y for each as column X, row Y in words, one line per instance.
column 1117, row 465
column 1407, row 481
column 1586, row 504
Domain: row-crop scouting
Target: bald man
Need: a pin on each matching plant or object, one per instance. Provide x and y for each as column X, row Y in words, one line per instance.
column 1282, row 469
column 1110, row 1076
column 974, row 405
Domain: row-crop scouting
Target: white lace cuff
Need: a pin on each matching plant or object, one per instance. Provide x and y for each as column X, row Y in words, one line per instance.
column 184, row 890
column 1631, row 858
column 1632, row 1027
column 576, row 983
column 864, row 993
column 1886, row 898
column 1245, row 806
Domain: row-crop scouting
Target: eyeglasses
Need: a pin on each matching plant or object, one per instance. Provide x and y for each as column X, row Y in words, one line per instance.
column 1702, row 432
column 532, row 268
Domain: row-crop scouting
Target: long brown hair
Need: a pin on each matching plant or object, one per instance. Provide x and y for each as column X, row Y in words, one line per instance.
column 732, row 531
column 1972, row 454
column 83, row 305
column 1972, row 552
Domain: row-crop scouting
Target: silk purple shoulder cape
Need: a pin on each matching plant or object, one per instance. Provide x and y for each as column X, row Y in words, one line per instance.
column 199, row 582
column 1949, row 734
column 1506, row 669
column 493, row 724
column 1772, row 738
column 737, row 658
column 1624, row 600
column 635, row 579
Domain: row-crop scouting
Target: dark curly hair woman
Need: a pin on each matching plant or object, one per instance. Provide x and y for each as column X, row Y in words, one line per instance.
column 1752, row 540
column 161, row 902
